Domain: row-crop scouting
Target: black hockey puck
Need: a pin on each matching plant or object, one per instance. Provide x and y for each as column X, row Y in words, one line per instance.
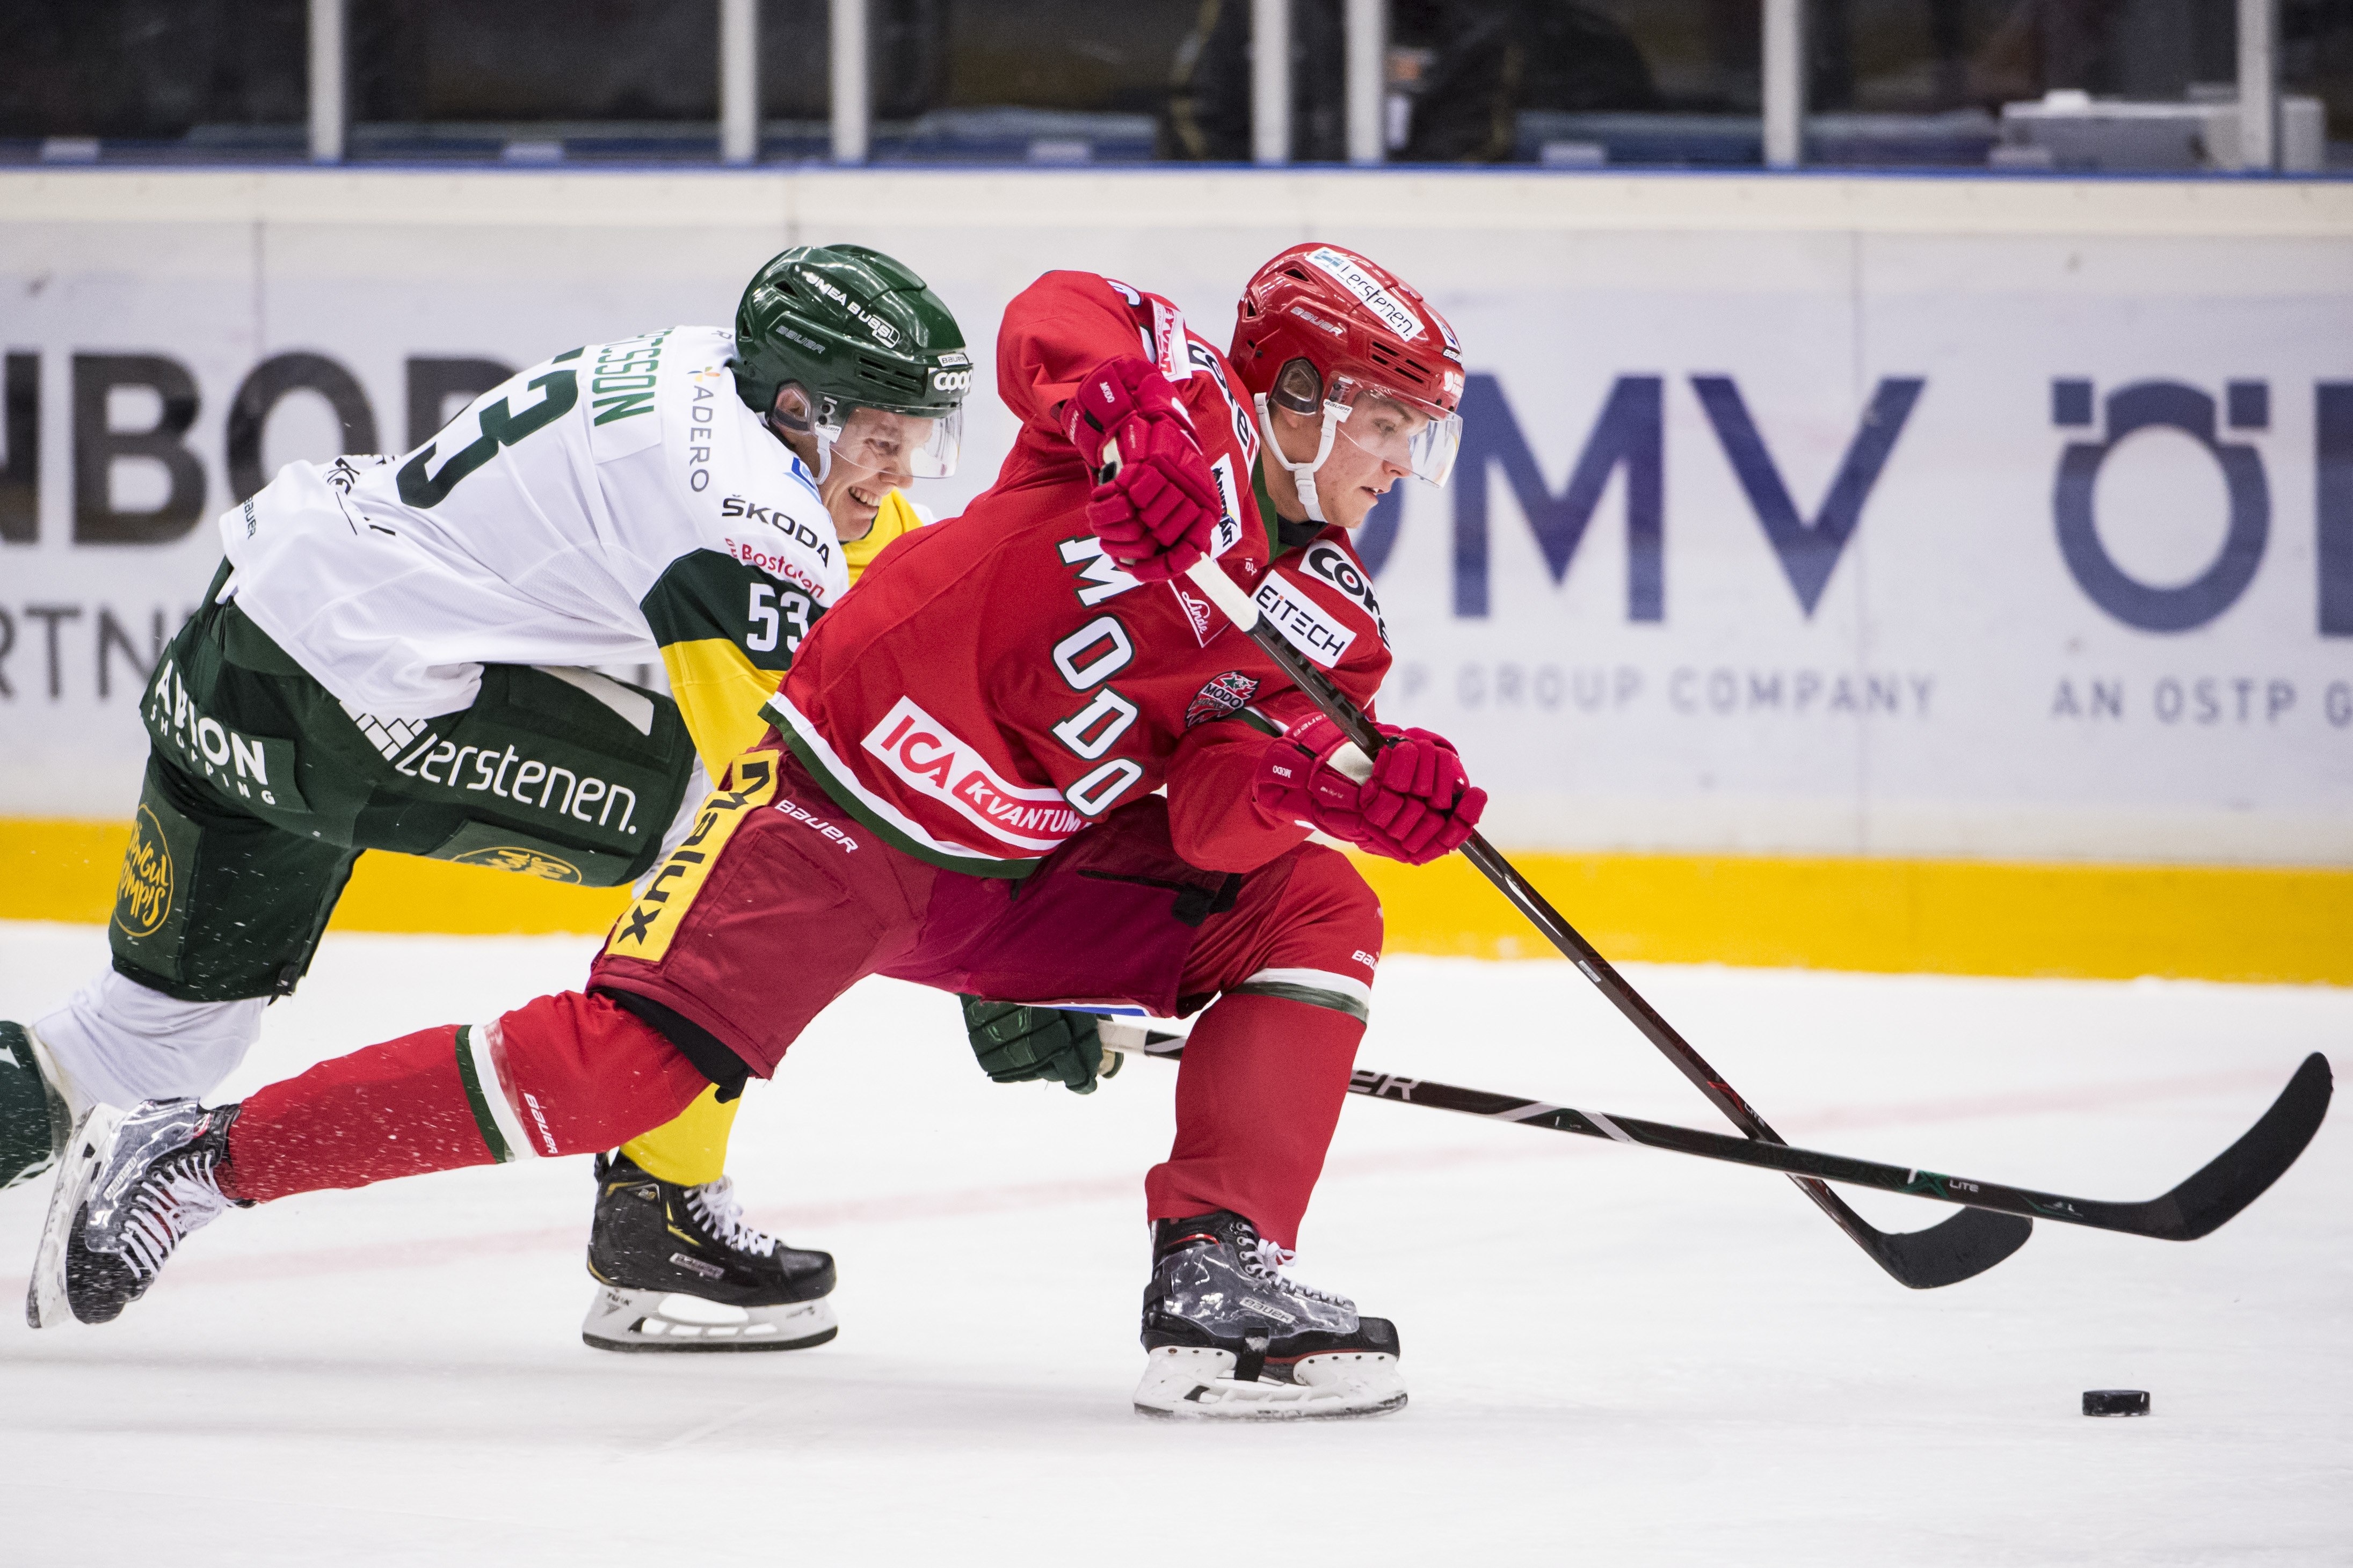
column 2116, row 1402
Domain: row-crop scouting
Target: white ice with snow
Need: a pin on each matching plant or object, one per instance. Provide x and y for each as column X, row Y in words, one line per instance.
column 1616, row 1356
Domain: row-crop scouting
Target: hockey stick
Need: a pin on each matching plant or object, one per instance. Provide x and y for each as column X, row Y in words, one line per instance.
column 1969, row 1243
column 2197, row 1207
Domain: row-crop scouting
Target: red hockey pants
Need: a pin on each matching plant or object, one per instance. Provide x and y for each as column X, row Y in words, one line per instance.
column 795, row 905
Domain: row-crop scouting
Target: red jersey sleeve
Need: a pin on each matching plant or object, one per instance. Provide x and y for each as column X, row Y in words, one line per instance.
column 1055, row 331
column 1213, row 819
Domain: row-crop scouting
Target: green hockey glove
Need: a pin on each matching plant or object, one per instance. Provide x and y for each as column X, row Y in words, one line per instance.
column 1016, row 1042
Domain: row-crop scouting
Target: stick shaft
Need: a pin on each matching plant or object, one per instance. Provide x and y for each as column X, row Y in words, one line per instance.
column 1239, row 607
column 2197, row 1207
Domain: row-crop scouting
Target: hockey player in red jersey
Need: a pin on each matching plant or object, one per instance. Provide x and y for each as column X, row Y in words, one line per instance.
column 959, row 789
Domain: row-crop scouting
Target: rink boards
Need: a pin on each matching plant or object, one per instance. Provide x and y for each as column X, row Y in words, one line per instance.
column 1952, row 573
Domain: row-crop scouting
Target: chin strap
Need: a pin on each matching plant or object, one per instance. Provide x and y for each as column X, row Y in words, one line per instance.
column 1302, row 475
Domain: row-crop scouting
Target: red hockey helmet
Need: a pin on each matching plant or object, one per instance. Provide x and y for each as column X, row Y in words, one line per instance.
column 1320, row 327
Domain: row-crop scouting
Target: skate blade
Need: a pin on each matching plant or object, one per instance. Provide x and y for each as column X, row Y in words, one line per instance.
column 45, row 1293
column 1191, row 1384
column 667, row 1321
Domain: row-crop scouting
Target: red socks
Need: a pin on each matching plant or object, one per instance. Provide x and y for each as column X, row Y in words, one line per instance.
column 1258, row 1097
column 560, row 1075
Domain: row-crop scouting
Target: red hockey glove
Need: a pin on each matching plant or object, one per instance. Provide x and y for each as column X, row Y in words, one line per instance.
column 1156, row 508
column 1417, row 805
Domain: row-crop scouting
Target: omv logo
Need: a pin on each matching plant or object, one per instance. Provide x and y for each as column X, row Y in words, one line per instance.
column 1628, row 438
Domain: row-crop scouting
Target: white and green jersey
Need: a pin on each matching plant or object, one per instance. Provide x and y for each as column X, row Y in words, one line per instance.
column 613, row 503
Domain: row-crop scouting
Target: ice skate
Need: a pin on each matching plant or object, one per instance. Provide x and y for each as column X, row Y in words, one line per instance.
column 35, row 1120
column 1226, row 1337
column 678, row 1270
column 135, row 1184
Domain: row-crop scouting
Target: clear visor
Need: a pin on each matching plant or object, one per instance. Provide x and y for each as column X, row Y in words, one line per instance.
column 1386, row 425
column 898, row 447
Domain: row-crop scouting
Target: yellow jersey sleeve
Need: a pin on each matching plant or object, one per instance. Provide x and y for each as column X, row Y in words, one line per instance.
column 719, row 691
column 727, row 633
column 893, row 518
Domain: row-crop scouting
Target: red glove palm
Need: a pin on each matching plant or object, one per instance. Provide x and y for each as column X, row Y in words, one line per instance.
column 1418, row 805
column 1155, row 506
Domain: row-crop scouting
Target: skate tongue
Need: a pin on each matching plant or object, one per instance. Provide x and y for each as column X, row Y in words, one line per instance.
column 1268, row 1259
column 716, row 1206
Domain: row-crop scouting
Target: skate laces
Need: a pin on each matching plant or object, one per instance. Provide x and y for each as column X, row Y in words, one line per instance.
column 174, row 1200
column 714, row 1203
column 1265, row 1259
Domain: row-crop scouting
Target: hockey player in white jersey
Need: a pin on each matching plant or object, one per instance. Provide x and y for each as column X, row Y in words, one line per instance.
column 392, row 657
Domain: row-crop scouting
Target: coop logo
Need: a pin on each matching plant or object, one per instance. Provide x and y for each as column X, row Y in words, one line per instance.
column 142, row 898
column 950, row 381
column 1335, row 566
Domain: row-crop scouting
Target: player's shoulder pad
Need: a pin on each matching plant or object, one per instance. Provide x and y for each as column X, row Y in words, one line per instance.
column 1336, row 577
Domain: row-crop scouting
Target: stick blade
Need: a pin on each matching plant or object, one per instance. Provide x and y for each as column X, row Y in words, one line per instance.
column 1952, row 1250
column 1946, row 1253
column 2245, row 1171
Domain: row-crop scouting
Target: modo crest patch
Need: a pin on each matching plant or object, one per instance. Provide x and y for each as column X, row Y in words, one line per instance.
column 527, row 862
column 142, row 899
column 1225, row 694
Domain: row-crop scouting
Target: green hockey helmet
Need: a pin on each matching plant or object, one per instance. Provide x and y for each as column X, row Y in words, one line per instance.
column 855, row 329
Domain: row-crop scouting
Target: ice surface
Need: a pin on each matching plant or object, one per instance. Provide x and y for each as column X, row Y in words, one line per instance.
column 1617, row 1356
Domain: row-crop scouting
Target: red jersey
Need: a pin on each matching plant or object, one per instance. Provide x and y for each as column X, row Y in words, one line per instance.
column 995, row 683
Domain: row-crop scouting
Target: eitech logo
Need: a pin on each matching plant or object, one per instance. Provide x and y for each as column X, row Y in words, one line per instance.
column 1303, row 622
column 929, row 756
